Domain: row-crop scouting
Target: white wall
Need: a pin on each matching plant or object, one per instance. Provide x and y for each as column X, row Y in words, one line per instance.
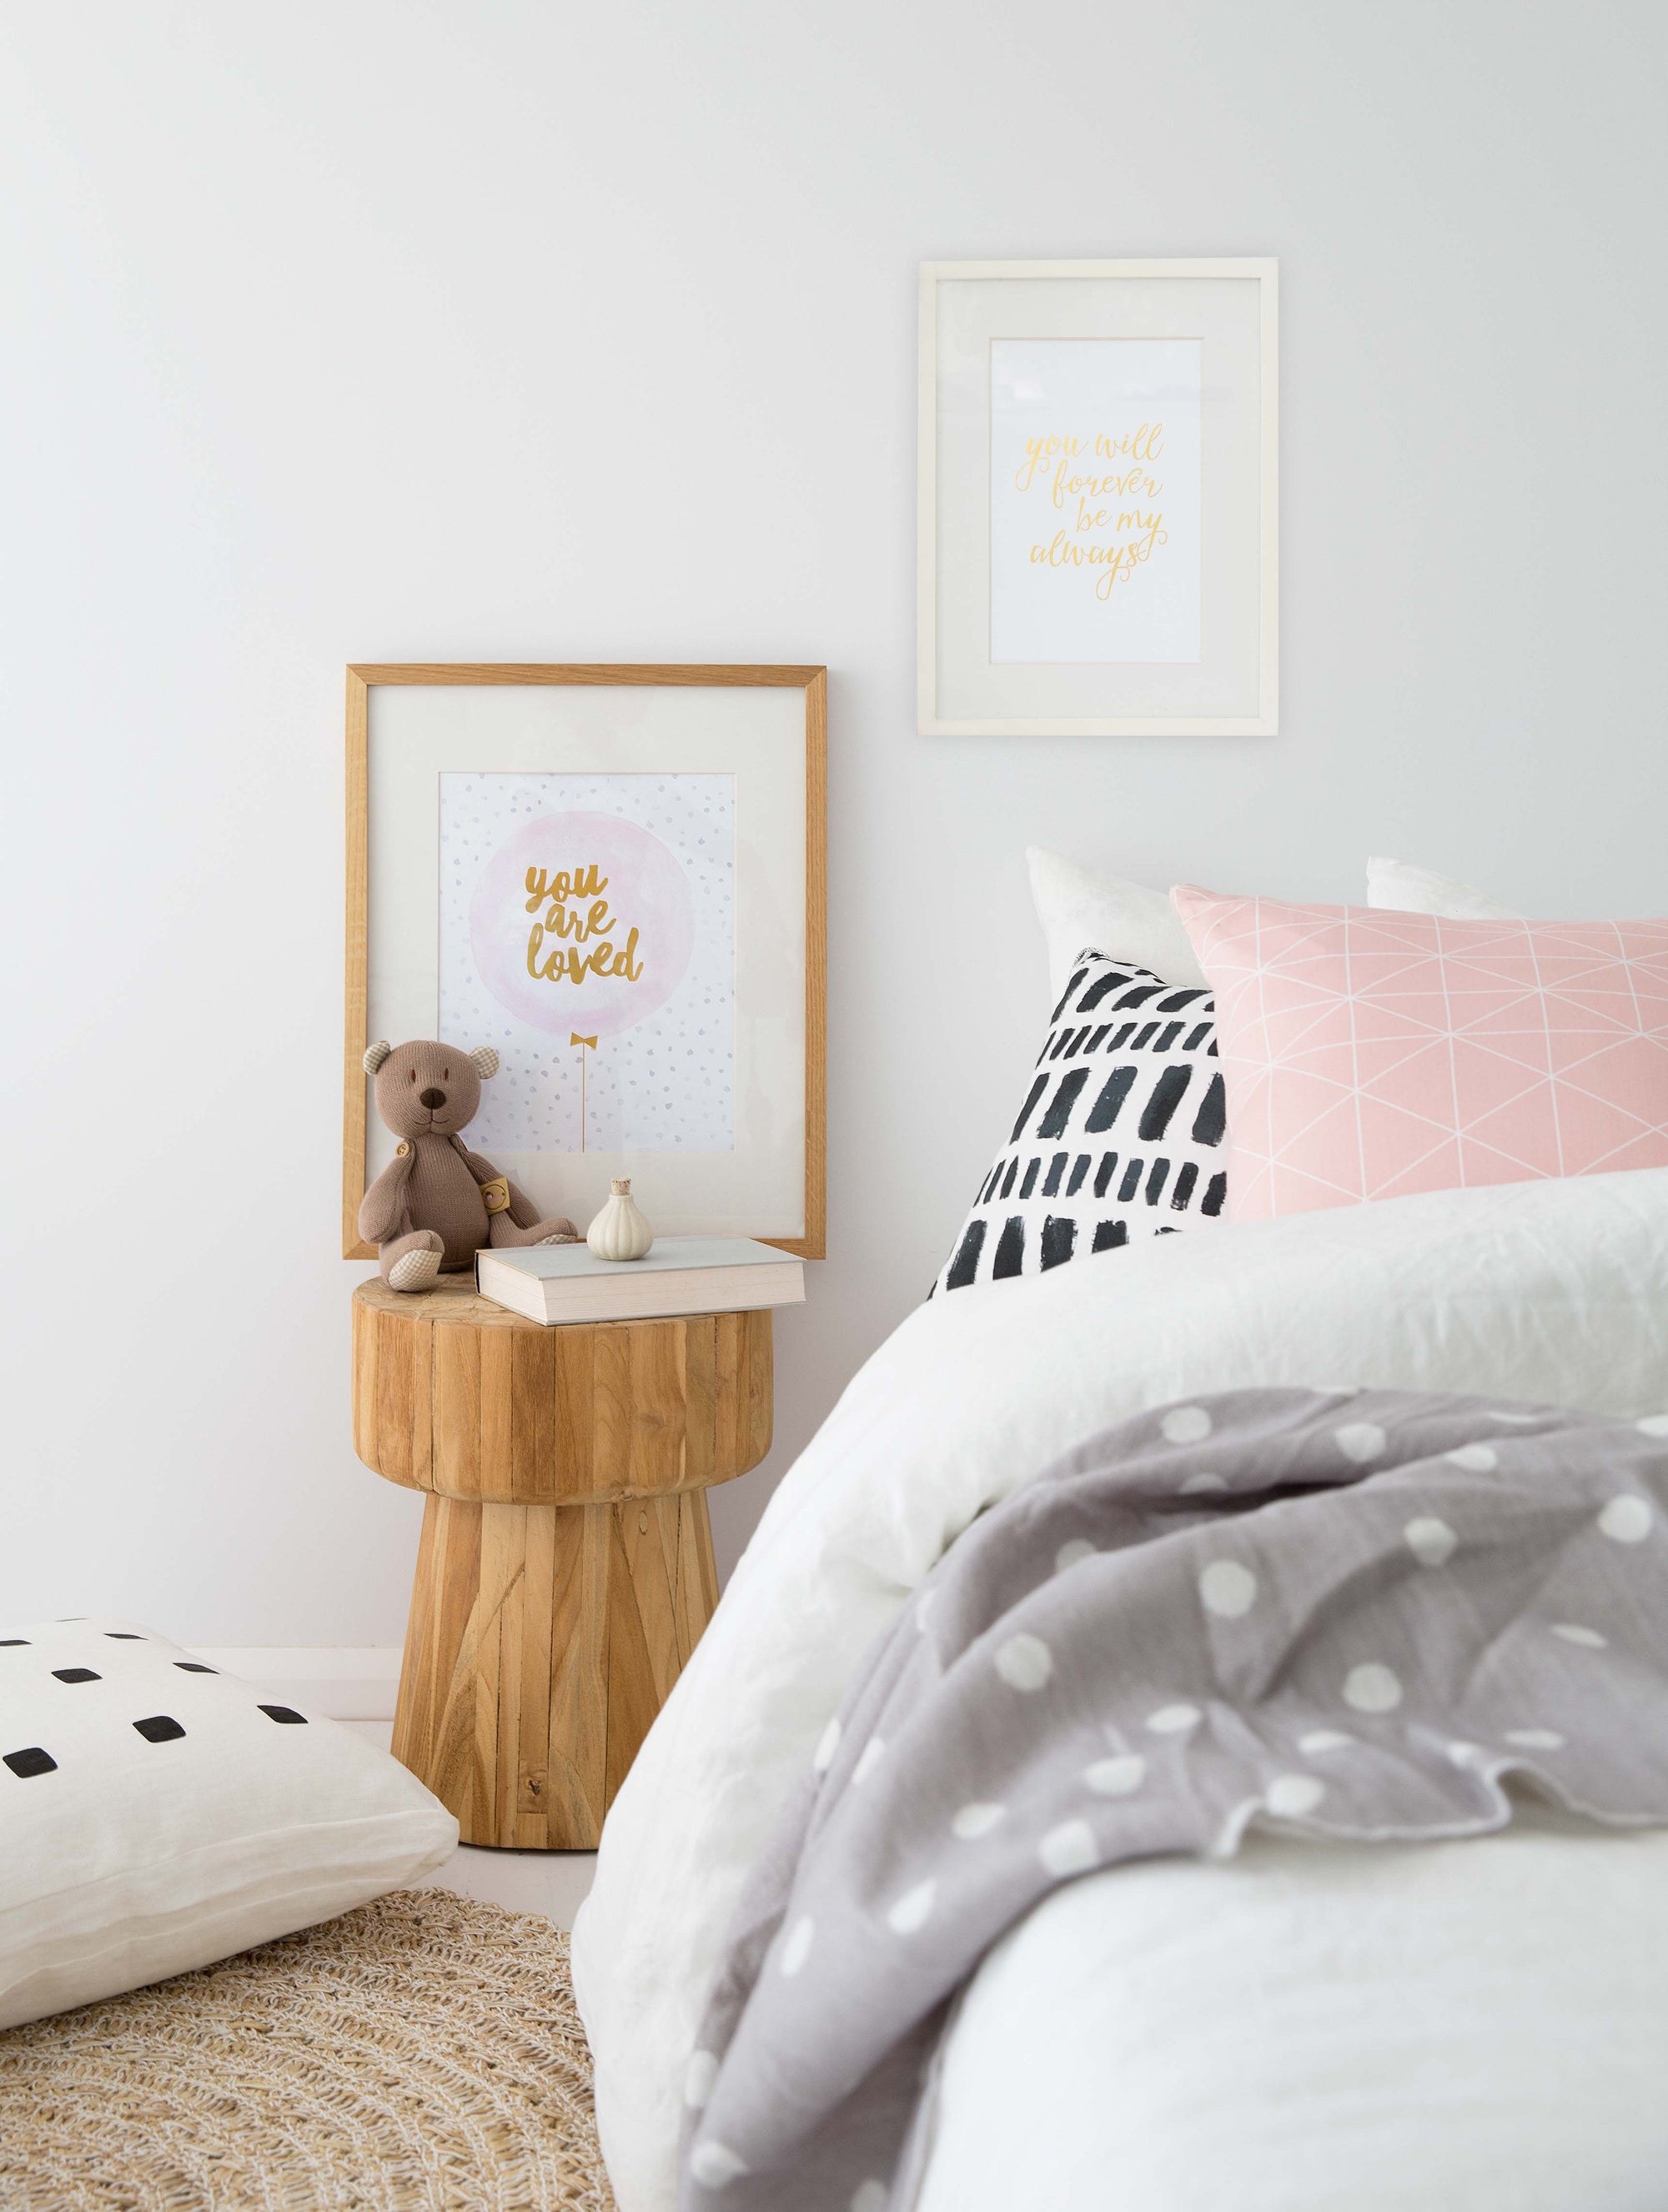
column 392, row 329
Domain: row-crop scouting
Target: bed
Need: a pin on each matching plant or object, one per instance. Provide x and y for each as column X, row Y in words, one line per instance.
column 1476, row 2022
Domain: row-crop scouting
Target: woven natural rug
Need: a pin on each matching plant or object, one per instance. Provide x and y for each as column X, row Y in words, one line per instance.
column 420, row 2055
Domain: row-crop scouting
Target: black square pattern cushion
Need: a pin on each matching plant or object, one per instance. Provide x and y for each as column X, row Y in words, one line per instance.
column 156, row 1814
column 1120, row 1136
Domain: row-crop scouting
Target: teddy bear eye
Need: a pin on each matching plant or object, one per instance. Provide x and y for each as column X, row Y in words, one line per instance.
column 445, row 1074
column 414, row 1075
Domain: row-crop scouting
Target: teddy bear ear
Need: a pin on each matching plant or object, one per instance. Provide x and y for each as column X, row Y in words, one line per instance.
column 485, row 1060
column 375, row 1054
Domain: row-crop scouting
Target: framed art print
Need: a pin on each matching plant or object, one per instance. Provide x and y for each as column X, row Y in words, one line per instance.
column 1097, row 498
column 614, row 877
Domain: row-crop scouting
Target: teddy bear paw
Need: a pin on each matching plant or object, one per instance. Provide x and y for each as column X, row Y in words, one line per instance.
column 415, row 1271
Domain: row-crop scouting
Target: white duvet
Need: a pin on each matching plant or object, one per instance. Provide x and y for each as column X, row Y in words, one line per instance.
column 1550, row 1291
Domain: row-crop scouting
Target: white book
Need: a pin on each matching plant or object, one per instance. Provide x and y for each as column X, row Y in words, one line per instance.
column 677, row 1275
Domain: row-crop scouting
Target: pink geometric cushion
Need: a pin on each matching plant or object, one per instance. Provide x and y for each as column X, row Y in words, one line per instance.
column 1368, row 1055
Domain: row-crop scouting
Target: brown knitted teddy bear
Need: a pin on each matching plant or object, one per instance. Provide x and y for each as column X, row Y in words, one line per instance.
column 436, row 1202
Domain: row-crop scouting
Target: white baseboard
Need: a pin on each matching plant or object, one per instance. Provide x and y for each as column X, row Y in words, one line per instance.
column 342, row 1682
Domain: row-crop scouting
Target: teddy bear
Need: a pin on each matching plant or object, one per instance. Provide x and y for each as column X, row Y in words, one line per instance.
column 436, row 1202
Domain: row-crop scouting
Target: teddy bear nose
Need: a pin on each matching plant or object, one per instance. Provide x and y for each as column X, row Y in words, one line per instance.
column 431, row 1098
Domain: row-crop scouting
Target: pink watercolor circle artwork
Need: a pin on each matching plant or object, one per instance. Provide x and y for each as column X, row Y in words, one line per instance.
column 582, row 922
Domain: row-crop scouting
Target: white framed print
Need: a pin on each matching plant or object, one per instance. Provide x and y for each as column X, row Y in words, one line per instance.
column 613, row 877
column 1097, row 522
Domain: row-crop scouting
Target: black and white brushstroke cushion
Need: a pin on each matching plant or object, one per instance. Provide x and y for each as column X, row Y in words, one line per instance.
column 1120, row 1136
column 156, row 1816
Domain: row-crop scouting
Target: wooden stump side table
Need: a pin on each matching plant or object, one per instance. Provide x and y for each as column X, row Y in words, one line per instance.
column 565, row 1570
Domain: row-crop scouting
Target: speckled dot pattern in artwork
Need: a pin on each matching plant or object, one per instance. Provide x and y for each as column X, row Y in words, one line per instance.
column 661, row 1000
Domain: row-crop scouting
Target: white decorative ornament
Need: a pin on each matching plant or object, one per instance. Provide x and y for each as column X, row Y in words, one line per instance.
column 620, row 1231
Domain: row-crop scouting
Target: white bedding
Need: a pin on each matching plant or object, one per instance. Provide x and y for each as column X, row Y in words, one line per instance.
column 1549, row 1291
column 1473, row 2026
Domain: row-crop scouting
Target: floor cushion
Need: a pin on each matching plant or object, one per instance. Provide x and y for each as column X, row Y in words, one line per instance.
column 158, row 1815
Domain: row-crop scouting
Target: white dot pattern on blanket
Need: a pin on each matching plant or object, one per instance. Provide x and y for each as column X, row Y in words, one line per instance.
column 977, row 1819
column 1573, row 1632
column 1431, row 1541
column 867, row 1759
column 1069, row 1554
column 1360, row 1440
column 797, row 1950
column 1372, row 1687
column 1290, row 1795
column 1653, row 1424
column 1319, row 1739
column 870, row 2196
column 1227, row 1589
column 714, row 2163
column 1535, row 1739
column 698, row 2077
column 1070, row 1849
column 827, row 1744
column 1117, row 1777
column 1468, row 1754
column 913, row 1910
column 1199, row 1485
column 1174, row 1720
column 1186, row 1425
column 1024, row 1663
column 1626, row 1520
column 1476, row 1459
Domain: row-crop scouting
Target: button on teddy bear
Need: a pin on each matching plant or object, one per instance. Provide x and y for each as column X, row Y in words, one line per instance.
column 436, row 1203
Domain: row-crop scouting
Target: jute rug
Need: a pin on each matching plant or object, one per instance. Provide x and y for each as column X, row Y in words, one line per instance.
column 420, row 2055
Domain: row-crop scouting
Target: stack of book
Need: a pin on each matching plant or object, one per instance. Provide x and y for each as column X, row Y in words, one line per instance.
column 553, row 1283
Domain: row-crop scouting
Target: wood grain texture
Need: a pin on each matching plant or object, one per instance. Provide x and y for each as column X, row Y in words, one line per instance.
column 454, row 1394
column 808, row 678
column 358, row 954
column 565, row 1571
column 543, row 1641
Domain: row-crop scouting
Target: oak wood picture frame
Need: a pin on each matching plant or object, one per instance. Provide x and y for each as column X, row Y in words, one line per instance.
column 363, row 677
column 1263, row 273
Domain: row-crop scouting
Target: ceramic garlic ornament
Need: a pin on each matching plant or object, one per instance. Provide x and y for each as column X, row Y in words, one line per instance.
column 620, row 1231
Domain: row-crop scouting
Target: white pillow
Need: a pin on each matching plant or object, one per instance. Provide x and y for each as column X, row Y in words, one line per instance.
column 1083, row 911
column 1399, row 885
column 154, row 1815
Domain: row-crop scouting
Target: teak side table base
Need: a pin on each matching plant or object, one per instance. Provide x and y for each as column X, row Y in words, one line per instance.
column 565, row 1571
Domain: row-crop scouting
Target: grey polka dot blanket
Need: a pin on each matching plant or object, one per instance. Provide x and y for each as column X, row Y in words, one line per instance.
column 1341, row 1614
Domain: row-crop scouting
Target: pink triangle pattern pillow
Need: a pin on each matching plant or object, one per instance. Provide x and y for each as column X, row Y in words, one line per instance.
column 1369, row 1054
